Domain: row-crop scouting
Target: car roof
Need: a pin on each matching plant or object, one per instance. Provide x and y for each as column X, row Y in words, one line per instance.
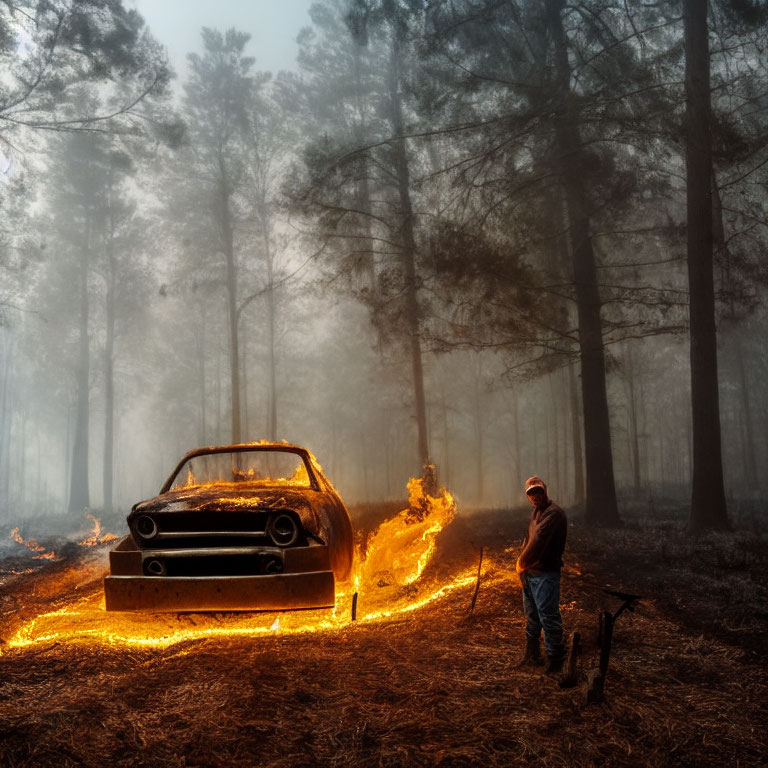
column 261, row 445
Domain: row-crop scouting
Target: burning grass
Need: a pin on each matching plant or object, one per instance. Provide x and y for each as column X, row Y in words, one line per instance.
column 98, row 536
column 429, row 686
column 33, row 546
column 389, row 562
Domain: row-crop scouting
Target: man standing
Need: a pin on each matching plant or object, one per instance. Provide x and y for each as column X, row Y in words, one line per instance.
column 539, row 567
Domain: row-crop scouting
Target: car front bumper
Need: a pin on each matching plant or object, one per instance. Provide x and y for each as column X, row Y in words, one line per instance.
column 307, row 582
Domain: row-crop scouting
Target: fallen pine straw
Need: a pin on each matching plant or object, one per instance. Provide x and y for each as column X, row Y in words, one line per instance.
column 433, row 688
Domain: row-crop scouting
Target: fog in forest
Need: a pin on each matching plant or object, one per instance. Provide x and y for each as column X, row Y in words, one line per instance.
column 467, row 233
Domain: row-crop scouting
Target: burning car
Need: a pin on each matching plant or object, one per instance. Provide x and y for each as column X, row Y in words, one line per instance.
column 240, row 527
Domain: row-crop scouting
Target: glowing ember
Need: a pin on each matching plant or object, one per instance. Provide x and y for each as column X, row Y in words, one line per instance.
column 390, row 580
column 96, row 536
column 33, row 545
column 237, row 501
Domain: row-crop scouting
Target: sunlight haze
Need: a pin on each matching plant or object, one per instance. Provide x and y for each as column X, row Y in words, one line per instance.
column 273, row 27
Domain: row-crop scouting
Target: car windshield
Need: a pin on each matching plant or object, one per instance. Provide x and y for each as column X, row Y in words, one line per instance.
column 261, row 468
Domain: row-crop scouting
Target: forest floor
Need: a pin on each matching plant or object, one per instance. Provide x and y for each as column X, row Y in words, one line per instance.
column 432, row 686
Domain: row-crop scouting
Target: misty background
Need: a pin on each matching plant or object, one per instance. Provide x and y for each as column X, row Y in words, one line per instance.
column 502, row 237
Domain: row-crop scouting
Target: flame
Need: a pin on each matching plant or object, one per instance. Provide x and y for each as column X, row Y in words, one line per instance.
column 400, row 548
column 30, row 543
column 391, row 579
column 86, row 620
column 96, row 537
column 262, row 482
column 33, row 545
column 300, row 476
column 299, row 479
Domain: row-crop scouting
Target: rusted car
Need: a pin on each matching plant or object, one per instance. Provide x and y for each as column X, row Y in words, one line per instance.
column 240, row 527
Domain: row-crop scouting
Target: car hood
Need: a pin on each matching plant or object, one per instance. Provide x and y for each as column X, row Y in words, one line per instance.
column 308, row 504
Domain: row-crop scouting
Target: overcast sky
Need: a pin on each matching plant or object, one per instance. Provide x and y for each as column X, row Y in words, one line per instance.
column 273, row 27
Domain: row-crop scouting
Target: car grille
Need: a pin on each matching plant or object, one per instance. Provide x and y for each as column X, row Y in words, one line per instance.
column 235, row 561
column 216, row 529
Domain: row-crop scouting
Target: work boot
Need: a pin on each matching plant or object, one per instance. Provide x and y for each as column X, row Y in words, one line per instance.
column 532, row 657
column 554, row 664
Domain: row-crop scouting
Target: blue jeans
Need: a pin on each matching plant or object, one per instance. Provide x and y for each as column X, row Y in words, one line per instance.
column 541, row 602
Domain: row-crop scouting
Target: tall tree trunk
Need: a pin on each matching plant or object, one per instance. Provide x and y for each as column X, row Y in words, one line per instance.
column 200, row 349
column 362, row 435
column 749, row 464
column 708, row 509
column 553, row 419
column 479, row 447
column 632, row 432
column 67, row 452
column 445, row 464
column 225, row 222
column 662, row 456
column 748, row 437
column 271, row 326
column 38, row 479
column 645, row 440
column 365, row 245
column 408, row 252
column 20, row 471
column 109, row 353
column 516, row 445
column 218, row 431
column 246, row 423
column 333, row 461
column 576, row 436
column 6, row 414
column 601, row 505
column 79, row 497
column 109, row 377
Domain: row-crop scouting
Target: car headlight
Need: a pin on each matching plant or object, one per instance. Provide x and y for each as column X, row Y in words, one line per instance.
column 146, row 527
column 283, row 530
column 154, row 567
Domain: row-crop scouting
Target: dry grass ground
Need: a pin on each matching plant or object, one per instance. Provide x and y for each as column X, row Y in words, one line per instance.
column 687, row 684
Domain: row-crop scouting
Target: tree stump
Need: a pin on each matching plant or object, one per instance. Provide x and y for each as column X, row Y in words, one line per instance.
column 596, row 677
column 571, row 675
column 477, row 582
